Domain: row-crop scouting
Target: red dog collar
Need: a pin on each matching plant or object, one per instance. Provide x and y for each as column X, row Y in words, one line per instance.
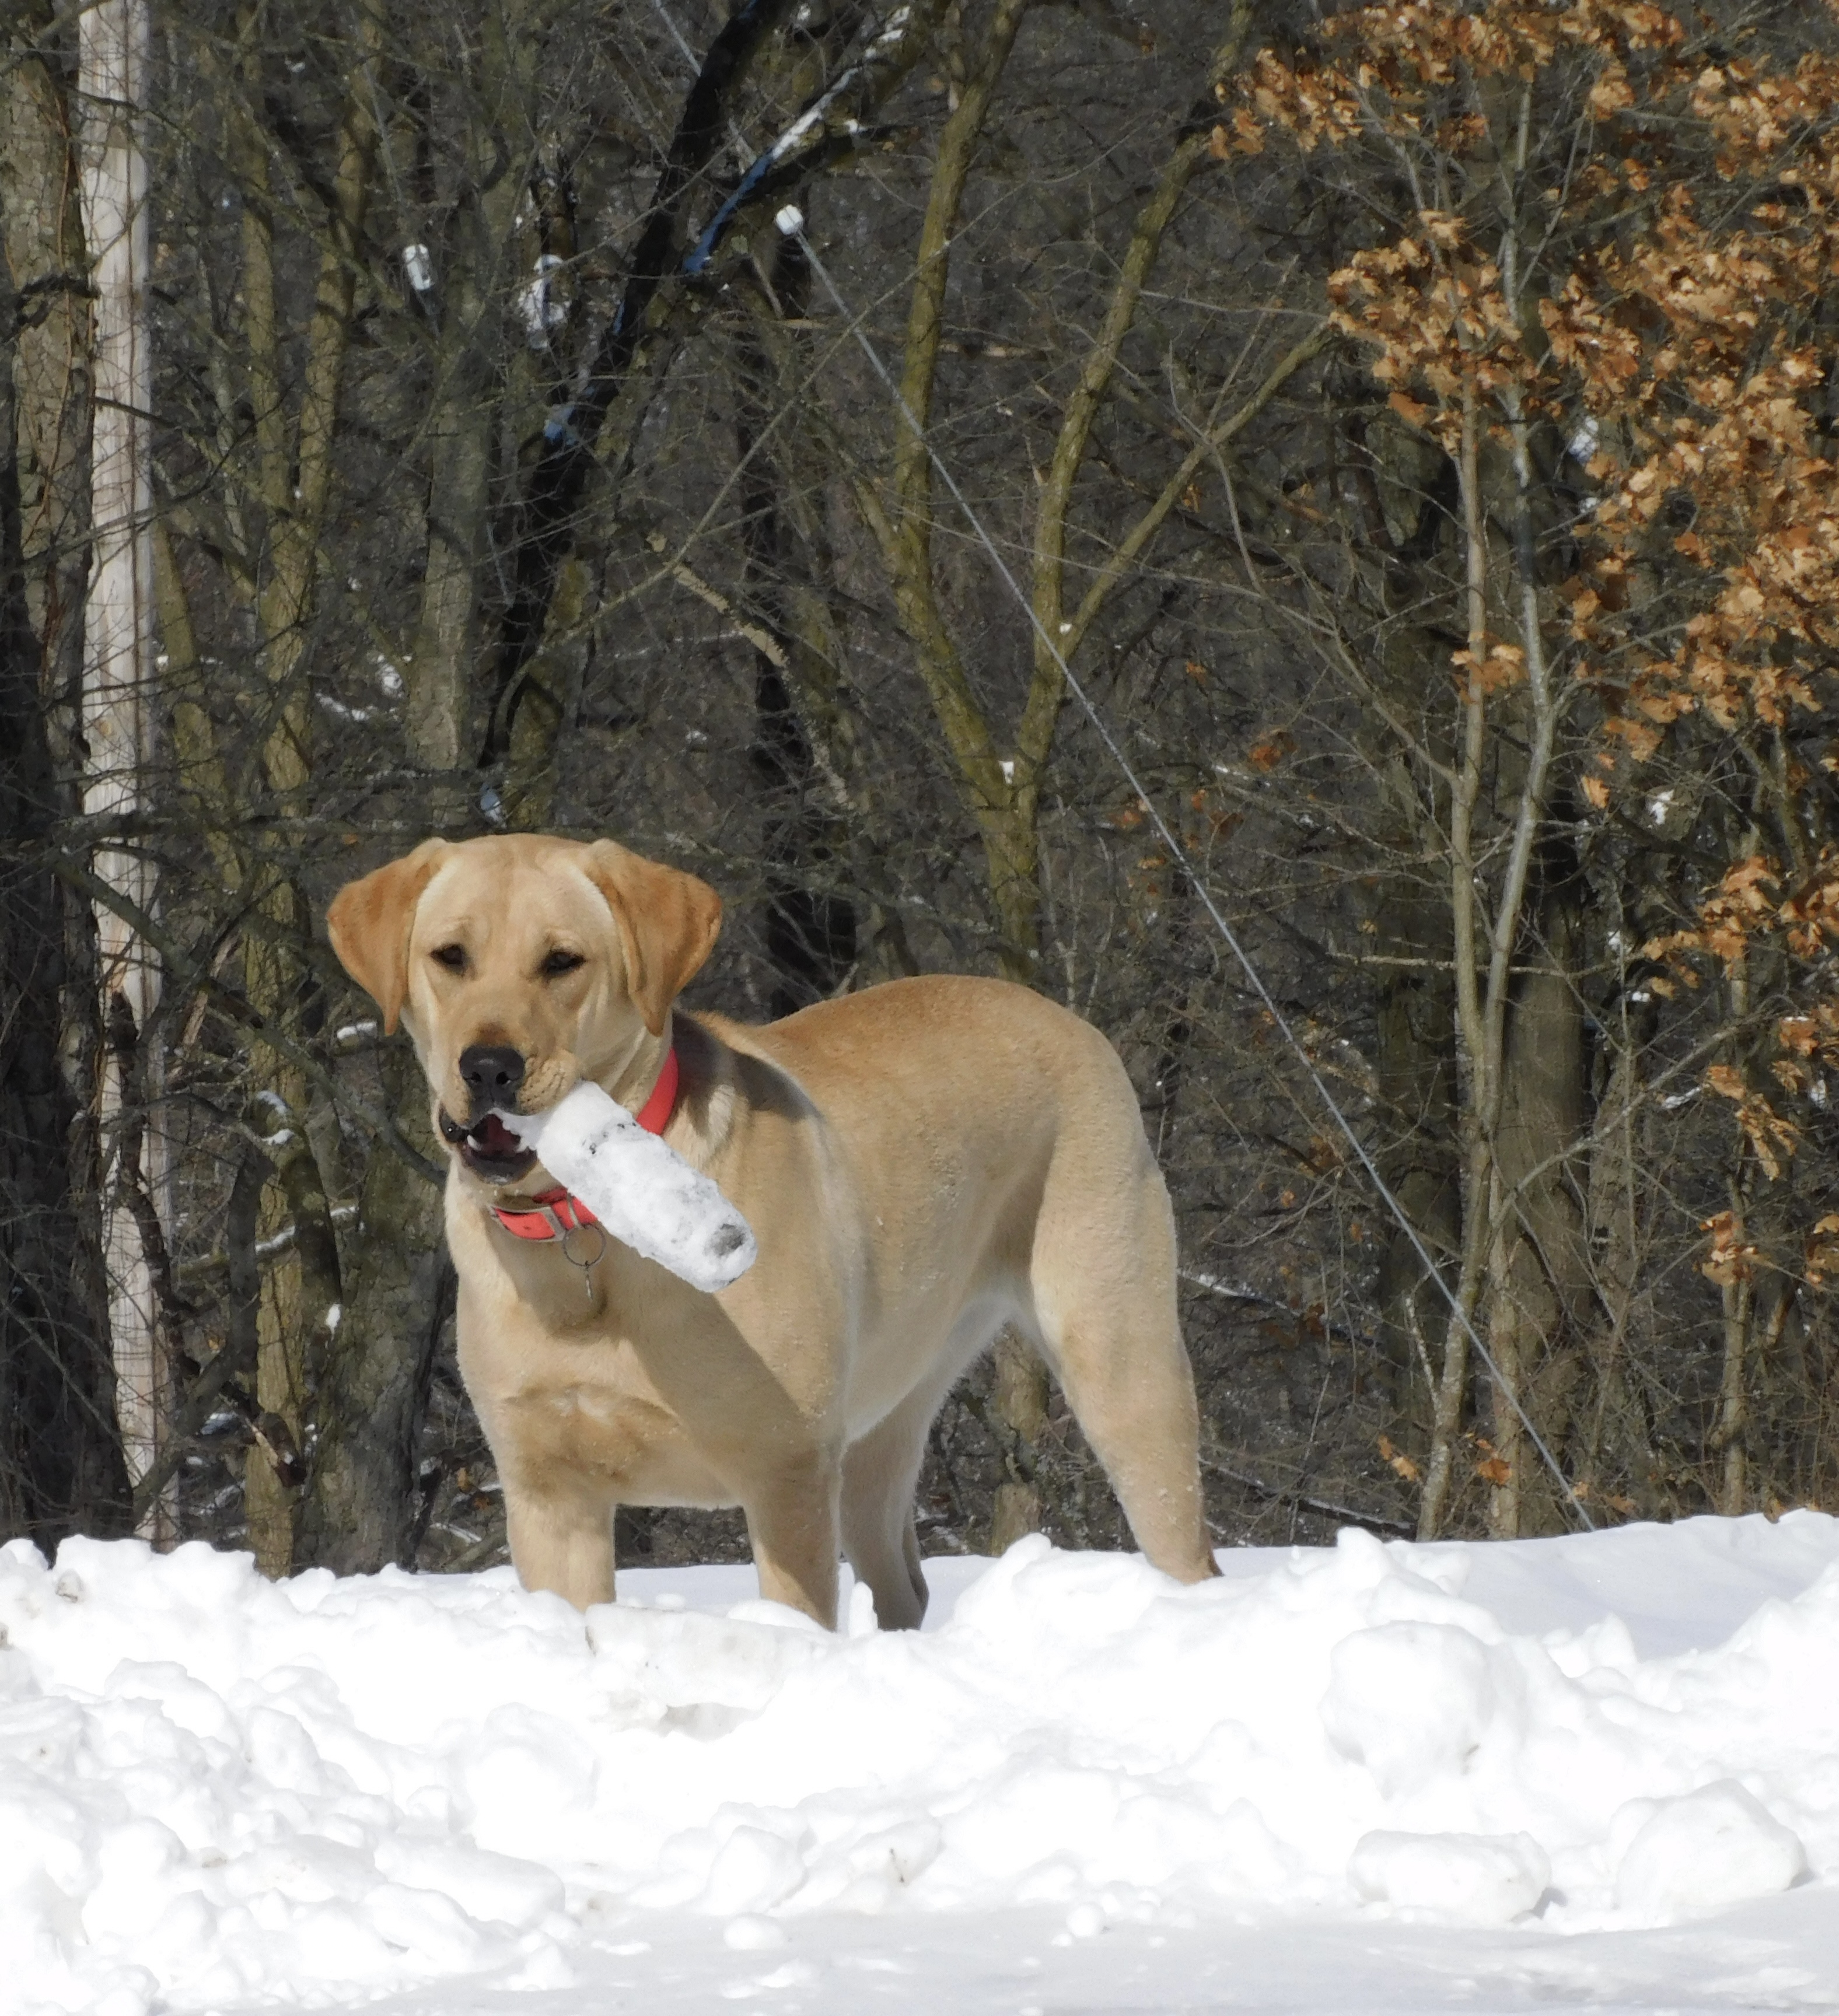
column 556, row 1212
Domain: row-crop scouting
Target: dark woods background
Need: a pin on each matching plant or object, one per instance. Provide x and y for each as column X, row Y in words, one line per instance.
column 467, row 504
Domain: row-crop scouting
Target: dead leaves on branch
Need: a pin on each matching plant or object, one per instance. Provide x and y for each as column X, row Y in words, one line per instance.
column 1764, row 532
column 1433, row 308
column 1748, row 905
column 1673, row 352
column 1679, row 348
column 1311, row 105
column 1686, row 353
column 1821, row 1257
column 1744, row 907
column 1491, row 1466
column 1733, row 1256
column 1676, row 347
column 1773, row 1138
column 1741, row 905
column 1754, row 113
column 1809, row 919
column 1812, row 1038
column 1479, row 675
column 1675, row 335
column 1398, row 1462
column 1399, row 57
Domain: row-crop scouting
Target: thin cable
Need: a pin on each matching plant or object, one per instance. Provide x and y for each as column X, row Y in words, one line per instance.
column 792, row 224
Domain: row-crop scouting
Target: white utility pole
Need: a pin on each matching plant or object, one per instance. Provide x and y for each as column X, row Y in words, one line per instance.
column 118, row 712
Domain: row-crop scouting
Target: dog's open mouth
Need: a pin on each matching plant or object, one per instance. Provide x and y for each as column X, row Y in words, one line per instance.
column 489, row 1148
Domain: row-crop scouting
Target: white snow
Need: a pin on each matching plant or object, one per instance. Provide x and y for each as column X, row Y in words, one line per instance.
column 1378, row 1774
column 639, row 1188
column 1679, row 1858
column 542, row 313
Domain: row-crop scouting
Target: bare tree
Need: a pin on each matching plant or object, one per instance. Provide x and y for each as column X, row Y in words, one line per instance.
column 61, row 1466
column 118, row 716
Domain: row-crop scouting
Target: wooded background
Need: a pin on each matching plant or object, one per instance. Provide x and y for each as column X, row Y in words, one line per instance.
column 1414, row 425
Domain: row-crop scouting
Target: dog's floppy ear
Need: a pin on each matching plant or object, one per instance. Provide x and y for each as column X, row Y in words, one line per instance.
column 369, row 922
column 668, row 923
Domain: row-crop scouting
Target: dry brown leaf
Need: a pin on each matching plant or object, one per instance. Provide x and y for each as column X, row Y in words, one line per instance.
column 1399, row 1461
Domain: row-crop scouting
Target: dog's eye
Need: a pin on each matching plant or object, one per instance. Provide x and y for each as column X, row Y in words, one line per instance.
column 452, row 956
column 560, row 962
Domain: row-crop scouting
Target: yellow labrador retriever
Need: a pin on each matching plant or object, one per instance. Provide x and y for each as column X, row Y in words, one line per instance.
column 921, row 1163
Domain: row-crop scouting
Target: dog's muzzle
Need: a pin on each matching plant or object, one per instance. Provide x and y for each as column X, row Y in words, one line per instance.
column 489, row 1148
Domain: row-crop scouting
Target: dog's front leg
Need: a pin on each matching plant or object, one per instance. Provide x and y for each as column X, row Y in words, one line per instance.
column 793, row 1522
column 563, row 1543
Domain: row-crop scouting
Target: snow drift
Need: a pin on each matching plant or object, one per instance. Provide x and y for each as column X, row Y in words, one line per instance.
column 216, row 1790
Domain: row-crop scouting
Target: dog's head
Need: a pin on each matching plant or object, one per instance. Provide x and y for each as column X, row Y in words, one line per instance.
column 520, row 965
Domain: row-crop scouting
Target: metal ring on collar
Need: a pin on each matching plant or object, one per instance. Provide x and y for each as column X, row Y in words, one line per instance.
column 599, row 1251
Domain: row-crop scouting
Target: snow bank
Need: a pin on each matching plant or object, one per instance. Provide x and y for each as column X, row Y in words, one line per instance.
column 214, row 1789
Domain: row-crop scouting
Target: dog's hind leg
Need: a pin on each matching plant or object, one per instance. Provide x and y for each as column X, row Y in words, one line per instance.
column 1102, row 1273
column 879, row 1542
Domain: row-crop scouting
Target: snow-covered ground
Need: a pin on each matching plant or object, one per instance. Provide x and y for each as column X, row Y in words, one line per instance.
column 1593, row 1773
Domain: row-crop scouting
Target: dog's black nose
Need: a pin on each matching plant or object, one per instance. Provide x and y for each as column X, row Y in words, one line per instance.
column 491, row 1072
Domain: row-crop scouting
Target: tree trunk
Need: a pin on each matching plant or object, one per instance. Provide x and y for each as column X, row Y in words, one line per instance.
column 369, row 1397
column 1473, row 1049
column 296, row 470
column 467, row 302
column 118, row 710
column 810, row 929
column 1407, row 745
column 1730, row 1435
column 1021, row 1396
column 1619, row 1438
column 1415, row 1067
column 358, row 1513
column 1539, row 1273
column 61, row 1466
